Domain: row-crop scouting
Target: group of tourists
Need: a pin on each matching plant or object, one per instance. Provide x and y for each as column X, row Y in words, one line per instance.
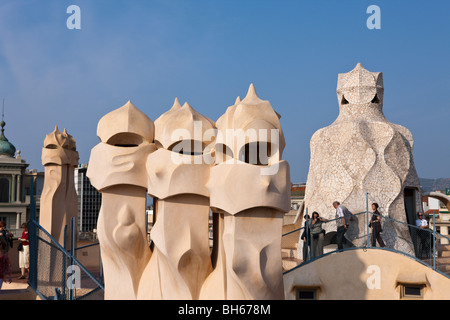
column 314, row 234
column 6, row 244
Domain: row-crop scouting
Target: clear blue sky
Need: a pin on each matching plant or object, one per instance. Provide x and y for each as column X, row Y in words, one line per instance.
column 207, row 52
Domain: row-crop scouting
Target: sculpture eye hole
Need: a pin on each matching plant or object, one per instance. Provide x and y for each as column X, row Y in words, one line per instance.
column 223, row 153
column 344, row 101
column 125, row 139
column 256, row 153
column 187, row 147
column 376, row 99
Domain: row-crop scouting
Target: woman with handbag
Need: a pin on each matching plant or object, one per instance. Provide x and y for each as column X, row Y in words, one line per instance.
column 317, row 235
column 24, row 254
column 375, row 224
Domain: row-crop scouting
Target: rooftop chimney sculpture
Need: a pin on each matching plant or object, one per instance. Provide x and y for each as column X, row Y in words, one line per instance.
column 362, row 152
column 189, row 167
column 177, row 177
column 59, row 201
column 117, row 169
column 250, row 192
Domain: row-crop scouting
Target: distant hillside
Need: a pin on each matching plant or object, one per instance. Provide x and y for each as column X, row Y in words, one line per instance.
column 429, row 185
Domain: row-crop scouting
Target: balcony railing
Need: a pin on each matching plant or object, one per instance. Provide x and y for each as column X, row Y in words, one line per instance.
column 425, row 245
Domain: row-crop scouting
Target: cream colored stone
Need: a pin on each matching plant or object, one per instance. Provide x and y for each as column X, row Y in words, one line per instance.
column 177, row 177
column 182, row 172
column 240, row 186
column 59, row 201
column 126, row 126
column 117, row 169
column 248, row 203
column 183, row 124
column 366, row 275
column 250, row 121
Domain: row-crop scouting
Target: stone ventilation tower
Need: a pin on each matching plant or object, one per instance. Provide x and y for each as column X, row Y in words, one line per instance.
column 177, row 178
column 59, row 202
column 117, row 170
column 179, row 162
column 249, row 193
column 362, row 152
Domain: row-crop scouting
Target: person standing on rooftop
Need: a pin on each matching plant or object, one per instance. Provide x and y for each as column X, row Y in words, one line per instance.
column 343, row 216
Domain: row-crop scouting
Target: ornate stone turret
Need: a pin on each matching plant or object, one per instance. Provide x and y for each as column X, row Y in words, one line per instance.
column 250, row 192
column 248, row 198
column 117, row 169
column 177, row 178
column 183, row 124
column 59, row 201
column 248, row 123
column 362, row 152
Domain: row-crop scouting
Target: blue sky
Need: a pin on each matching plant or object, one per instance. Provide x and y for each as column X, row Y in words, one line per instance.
column 207, row 52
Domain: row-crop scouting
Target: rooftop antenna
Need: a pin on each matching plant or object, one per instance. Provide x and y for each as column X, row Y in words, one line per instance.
column 2, row 124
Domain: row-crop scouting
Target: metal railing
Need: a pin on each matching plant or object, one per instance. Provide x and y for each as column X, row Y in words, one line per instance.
column 55, row 273
column 424, row 245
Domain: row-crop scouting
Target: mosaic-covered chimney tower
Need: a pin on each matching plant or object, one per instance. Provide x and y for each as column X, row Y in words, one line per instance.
column 362, row 152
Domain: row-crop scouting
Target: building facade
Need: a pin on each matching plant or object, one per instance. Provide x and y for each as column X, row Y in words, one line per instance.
column 14, row 185
column 89, row 200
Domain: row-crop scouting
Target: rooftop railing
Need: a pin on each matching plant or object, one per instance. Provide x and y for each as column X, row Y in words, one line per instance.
column 55, row 273
column 425, row 245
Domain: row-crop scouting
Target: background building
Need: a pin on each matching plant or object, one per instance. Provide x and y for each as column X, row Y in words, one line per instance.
column 37, row 178
column 297, row 195
column 435, row 208
column 89, row 201
column 297, row 199
column 15, row 185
